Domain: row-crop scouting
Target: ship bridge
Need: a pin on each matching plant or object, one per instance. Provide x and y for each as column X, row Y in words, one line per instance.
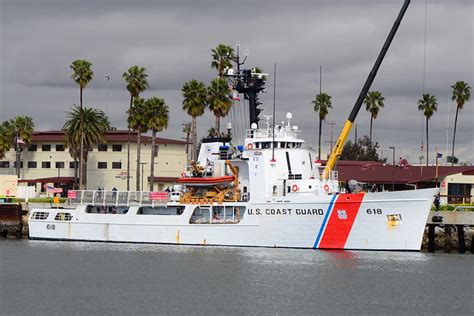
column 282, row 136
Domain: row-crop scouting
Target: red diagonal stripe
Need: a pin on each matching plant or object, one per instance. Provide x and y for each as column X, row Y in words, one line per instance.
column 338, row 228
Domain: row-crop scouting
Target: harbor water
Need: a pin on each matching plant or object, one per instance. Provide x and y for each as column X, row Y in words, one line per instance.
column 79, row 278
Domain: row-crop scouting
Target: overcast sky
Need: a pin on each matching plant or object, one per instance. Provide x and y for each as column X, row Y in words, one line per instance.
column 173, row 41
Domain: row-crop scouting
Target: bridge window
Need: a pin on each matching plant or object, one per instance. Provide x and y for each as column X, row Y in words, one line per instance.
column 217, row 215
column 160, row 210
column 40, row 215
column 100, row 209
column 63, row 217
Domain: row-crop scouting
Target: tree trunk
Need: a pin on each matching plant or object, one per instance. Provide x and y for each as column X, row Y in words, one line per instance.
column 81, row 149
column 427, row 144
column 128, row 147
column 138, row 160
column 454, row 135
column 319, row 146
column 218, row 124
column 75, row 174
column 152, row 161
column 80, row 96
column 84, row 170
column 193, row 154
column 370, row 133
column 82, row 181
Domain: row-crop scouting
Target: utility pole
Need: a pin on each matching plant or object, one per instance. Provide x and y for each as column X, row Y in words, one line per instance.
column 355, row 133
column 17, row 150
column 393, row 167
column 332, row 124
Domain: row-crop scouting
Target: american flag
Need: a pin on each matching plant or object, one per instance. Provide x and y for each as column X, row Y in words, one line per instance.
column 52, row 189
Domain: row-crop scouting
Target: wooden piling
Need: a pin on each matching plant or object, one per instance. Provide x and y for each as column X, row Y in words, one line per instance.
column 462, row 242
column 447, row 241
column 472, row 244
column 431, row 237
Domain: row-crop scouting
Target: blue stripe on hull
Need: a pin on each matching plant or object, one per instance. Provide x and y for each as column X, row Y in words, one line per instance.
column 323, row 224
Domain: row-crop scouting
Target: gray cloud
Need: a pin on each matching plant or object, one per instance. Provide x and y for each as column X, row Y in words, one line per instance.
column 173, row 41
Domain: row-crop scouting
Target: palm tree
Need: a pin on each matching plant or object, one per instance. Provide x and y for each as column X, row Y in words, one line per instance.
column 428, row 105
column 19, row 132
column 157, row 113
column 82, row 74
column 219, row 100
column 187, row 130
column 85, row 126
column 322, row 103
column 137, row 120
column 136, row 79
column 222, row 57
column 194, row 103
column 461, row 94
column 373, row 102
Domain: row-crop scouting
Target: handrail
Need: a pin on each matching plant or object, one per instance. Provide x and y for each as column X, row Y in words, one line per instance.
column 117, row 198
column 462, row 207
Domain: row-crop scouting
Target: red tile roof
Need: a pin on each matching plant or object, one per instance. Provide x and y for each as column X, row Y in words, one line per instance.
column 375, row 172
column 165, row 179
column 119, row 136
column 50, row 180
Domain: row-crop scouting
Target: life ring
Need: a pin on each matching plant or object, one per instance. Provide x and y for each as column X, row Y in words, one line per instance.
column 183, row 174
column 249, row 146
column 326, row 187
column 295, row 188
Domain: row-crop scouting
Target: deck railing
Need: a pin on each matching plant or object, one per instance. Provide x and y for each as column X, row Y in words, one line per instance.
column 117, row 198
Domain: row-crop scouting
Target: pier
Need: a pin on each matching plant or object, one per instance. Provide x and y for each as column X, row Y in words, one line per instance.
column 448, row 229
column 11, row 219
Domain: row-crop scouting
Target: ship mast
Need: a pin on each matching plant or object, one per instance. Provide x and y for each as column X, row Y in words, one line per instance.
column 250, row 84
column 337, row 150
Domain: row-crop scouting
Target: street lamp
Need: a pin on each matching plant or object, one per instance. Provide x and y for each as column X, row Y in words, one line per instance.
column 393, row 167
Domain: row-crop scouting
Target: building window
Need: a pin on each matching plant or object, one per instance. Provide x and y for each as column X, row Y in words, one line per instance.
column 33, row 147
column 60, row 164
column 116, row 165
column 59, row 147
column 102, row 165
column 72, row 163
column 102, row 147
column 116, row 147
column 21, row 164
column 46, row 164
column 32, row 164
column 46, row 147
column 4, row 164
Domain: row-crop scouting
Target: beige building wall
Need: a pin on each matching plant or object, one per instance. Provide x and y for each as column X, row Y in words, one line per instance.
column 458, row 178
column 106, row 169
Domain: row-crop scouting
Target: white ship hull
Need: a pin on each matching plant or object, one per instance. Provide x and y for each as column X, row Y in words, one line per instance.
column 369, row 221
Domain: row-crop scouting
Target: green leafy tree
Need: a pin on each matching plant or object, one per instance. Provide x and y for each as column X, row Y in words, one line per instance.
column 138, row 121
column 322, row 103
column 85, row 126
column 19, row 132
column 136, row 79
column 82, row 74
column 362, row 149
column 194, row 103
column 219, row 100
column 461, row 94
column 428, row 105
column 157, row 113
column 374, row 101
column 5, row 141
column 222, row 57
